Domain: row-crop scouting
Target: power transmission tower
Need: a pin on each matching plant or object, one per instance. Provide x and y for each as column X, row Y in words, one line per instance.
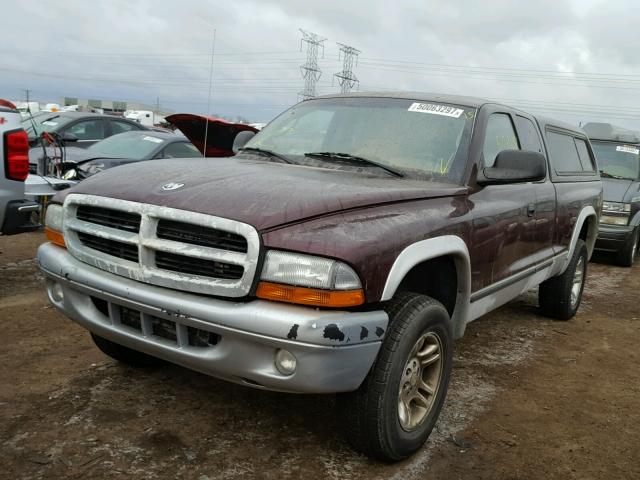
column 310, row 71
column 26, row 93
column 346, row 78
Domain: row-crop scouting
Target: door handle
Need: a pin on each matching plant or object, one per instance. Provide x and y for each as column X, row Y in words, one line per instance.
column 531, row 209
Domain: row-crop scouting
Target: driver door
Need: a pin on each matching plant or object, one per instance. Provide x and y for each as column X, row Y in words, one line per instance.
column 504, row 227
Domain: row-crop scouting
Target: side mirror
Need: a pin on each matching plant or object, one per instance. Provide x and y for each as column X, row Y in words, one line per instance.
column 241, row 140
column 514, row 166
column 69, row 137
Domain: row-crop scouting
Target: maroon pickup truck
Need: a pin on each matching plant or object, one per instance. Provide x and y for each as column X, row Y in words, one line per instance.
column 341, row 251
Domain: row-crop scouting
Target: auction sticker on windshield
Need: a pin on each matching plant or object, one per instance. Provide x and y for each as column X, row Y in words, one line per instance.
column 627, row 149
column 436, row 109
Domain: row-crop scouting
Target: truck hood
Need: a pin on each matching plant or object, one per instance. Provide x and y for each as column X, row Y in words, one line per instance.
column 617, row 190
column 261, row 193
column 220, row 137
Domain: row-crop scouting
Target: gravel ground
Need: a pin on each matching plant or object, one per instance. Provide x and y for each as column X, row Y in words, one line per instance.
column 529, row 398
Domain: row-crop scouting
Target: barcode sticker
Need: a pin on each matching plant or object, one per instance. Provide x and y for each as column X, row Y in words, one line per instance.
column 627, row 149
column 435, row 109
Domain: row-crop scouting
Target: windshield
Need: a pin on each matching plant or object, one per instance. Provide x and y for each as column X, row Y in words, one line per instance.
column 618, row 160
column 420, row 139
column 135, row 147
column 44, row 122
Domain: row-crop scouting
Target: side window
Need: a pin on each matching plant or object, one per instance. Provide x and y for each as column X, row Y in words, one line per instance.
column 500, row 135
column 120, row 127
column 88, row 129
column 583, row 153
column 529, row 138
column 563, row 153
column 181, row 150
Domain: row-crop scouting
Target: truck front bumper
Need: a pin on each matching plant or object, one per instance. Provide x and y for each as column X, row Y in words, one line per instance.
column 334, row 350
column 612, row 238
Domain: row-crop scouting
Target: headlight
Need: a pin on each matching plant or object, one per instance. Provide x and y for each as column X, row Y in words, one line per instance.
column 91, row 168
column 70, row 174
column 309, row 280
column 53, row 222
column 616, row 207
column 53, row 217
column 309, row 271
column 635, row 199
column 613, row 220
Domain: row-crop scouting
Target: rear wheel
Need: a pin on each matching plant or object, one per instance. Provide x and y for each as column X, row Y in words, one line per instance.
column 560, row 297
column 627, row 256
column 124, row 354
column 393, row 412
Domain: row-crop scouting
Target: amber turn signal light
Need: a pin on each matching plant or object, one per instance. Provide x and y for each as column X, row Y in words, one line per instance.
column 309, row 296
column 55, row 237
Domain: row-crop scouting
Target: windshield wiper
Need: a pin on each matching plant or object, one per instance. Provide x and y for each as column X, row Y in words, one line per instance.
column 267, row 153
column 356, row 159
column 609, row 175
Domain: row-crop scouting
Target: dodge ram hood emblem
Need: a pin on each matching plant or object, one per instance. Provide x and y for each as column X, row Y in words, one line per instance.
column 172, row 186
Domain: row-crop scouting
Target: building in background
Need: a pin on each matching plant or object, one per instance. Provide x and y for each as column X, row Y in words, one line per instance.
column 108, row 106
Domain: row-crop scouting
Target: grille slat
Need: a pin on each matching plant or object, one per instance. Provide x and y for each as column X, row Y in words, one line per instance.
column 107, row 217
column 110, row 247
column 202, row 236
column 198, row 266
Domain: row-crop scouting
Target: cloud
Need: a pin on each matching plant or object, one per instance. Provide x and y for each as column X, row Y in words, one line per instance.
column 510, row 51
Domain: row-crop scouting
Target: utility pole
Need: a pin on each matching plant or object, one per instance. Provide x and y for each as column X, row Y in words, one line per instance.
column 346, row 78
column 310, row 71
column 158, row 105
column 27, row 92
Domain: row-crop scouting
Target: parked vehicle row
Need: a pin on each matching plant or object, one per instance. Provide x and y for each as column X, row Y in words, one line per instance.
column 342, row 250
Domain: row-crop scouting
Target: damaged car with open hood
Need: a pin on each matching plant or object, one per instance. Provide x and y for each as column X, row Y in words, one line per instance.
column 341, row 251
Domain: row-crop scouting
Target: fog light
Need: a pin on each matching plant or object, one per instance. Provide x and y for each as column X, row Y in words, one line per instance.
column 57, row 294
column 285, row 362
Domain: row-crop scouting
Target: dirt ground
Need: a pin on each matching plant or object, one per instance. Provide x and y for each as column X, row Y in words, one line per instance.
column 530, row 398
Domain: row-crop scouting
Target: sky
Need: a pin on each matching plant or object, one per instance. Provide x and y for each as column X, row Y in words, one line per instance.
column 576, row 60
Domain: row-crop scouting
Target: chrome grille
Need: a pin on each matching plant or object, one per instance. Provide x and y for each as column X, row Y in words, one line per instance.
column 162, row 246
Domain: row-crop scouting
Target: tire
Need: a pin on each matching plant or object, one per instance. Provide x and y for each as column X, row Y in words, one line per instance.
column 372, row 416
column 124, row 354
column 555, row 295
column 627, row 256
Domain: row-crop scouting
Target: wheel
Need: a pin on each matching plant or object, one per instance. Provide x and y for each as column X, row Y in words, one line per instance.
column 627, row 255
column 559, row 297
column 393, row 412
column 124, row 354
